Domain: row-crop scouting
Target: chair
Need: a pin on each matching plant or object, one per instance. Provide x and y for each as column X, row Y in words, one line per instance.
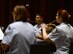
column 71, row 48
column 42, row 48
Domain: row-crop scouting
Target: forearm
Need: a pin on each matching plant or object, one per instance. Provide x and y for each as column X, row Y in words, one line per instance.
column 45, row 35
column 39, row 36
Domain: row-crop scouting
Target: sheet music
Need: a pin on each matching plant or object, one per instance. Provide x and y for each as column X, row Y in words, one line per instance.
column 1, row 34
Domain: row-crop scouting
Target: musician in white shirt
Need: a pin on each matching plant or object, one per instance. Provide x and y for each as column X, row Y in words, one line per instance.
column 61, row 34
column 19, row 35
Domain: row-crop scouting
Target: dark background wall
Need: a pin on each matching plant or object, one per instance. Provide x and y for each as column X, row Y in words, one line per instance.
column 47, row 8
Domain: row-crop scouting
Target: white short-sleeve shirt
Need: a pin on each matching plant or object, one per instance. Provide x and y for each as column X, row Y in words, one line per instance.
column 19, row 36
column 61, row 40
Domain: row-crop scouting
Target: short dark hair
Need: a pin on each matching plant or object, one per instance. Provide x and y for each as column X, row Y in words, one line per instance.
column 39, row 14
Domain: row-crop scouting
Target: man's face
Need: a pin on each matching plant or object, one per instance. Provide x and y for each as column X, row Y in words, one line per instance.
column 38, row 19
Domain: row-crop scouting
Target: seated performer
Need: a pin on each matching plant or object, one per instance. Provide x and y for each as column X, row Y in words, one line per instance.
column 61, row 34
column 46, row 46
column 19, row 35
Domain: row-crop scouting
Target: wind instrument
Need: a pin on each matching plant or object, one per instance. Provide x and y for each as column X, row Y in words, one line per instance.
column 50, row 26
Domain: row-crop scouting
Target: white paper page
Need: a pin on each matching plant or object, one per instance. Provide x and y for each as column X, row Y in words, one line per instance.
column 1, row 34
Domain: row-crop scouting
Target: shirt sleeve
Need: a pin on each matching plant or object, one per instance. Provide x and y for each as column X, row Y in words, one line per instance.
column 9, row 34
column 58, row 36
column 37, row 31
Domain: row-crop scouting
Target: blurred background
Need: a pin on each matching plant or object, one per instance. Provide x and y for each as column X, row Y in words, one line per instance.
column 48, row 9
